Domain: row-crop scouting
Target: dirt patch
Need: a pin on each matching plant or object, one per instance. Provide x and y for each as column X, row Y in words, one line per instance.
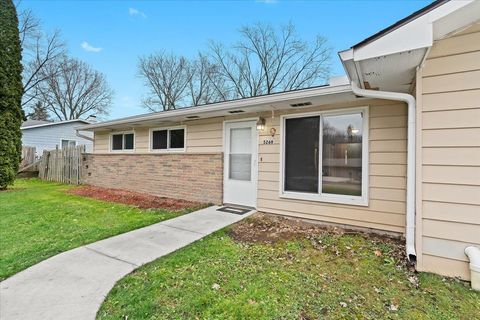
column 266, row 228
column 270, row 229
column 140, row 200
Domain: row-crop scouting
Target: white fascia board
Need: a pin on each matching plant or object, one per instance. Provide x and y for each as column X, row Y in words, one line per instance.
column 416, row 34
column 463, row 17
column 346, row 54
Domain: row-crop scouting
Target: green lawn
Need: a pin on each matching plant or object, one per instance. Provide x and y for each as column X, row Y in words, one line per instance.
column 324, row 276
column 38, row 220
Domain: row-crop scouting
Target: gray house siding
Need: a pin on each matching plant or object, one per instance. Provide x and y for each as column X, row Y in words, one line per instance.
column 50, row 136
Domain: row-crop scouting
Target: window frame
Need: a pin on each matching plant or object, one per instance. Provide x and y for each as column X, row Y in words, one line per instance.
column 69, row 140
column 123, row 133
column 168, row 149
column 362, row 200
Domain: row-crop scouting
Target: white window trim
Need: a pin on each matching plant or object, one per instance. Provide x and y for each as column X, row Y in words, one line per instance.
column 331, row 198
column 60, row 144
column 110, row 140
column 150, row 139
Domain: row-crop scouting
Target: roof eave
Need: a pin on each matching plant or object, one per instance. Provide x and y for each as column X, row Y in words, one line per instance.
column 246, row 103
column 53, row 124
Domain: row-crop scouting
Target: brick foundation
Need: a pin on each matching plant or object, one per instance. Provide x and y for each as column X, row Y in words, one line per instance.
column 194, row 177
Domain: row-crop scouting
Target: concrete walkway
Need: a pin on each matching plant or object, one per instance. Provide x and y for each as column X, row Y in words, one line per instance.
column 73, row 284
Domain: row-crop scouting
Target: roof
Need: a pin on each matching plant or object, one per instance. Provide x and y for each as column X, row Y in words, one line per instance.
column 402, row 22
column 388, row 59
column 30, row 124
column 274, row 101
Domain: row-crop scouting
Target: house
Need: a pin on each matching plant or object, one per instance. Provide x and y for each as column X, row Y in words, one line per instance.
column 394, row 147
column 46, row 135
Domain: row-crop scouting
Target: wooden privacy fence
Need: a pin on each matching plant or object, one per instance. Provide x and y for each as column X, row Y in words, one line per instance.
column 62, row 165
column 28, row 156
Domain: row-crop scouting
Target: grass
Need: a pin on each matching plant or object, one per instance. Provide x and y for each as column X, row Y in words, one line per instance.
column 348, row 277
column 38, row 220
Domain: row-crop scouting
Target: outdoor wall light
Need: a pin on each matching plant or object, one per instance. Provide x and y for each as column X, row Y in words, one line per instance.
column 261, row 124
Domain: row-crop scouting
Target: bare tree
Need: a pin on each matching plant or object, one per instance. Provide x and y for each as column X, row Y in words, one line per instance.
column 262, row 62
column 206, row 86
column 40, row 50
column 72, row 89
column 266, row 61
column 167, row 76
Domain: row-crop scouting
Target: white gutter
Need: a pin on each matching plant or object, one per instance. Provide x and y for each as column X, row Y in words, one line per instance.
column 410, row 100
column 473, row 253
column 78, row 134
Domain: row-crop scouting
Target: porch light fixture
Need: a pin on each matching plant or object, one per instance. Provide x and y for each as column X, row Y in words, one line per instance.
column 261, row 124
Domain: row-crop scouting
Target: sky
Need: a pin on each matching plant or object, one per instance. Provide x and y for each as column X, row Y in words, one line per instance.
column 112, row 35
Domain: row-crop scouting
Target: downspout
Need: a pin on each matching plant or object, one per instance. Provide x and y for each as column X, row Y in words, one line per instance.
column 78, row 134
column 410, row 100
column 473, row 254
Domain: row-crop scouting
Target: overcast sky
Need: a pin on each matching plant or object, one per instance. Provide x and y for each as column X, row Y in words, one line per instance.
column 111, row 35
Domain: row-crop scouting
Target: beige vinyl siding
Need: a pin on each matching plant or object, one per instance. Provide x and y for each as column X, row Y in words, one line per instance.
column 449, row 96
column 203, row 136
column 387, row 180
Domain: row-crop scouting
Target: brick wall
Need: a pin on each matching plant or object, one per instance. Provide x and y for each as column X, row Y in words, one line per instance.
column 195, row 177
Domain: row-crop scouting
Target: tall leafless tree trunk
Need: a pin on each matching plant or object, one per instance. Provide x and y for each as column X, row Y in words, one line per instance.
column 71, row 89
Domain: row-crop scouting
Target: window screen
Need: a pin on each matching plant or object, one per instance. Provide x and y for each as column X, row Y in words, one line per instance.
column 159, row 139
column 177, row 140
column 301, row 154
column 342, row 154
column 117, row 142
column 128, row 141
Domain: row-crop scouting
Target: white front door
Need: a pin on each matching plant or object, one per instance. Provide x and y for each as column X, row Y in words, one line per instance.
column 240, row 163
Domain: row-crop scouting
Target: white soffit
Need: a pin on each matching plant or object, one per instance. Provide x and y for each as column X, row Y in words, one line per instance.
column 393, row 72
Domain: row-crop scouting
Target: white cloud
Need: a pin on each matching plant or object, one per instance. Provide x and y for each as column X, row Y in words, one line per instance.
column 136, row 12
column 88, row 47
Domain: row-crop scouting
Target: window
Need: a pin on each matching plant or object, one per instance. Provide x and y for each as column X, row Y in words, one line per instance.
column 68, row 143
column 240, row 154
column 325, row 157
column 167, row 139
column 123, row 141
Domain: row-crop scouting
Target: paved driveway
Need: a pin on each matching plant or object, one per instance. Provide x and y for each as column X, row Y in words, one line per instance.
column 73, row 284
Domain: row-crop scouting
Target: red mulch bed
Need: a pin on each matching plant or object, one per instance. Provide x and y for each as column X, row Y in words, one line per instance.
column 140, row 200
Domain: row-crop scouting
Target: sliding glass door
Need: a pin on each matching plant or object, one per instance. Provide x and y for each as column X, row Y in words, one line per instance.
column 325, row 156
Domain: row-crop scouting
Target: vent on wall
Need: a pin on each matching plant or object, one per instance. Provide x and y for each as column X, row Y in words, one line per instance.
column 236, row 111
column 301, row 104
column 192, row 117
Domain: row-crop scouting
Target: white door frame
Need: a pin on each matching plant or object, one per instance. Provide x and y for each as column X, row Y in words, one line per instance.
column 254, row 155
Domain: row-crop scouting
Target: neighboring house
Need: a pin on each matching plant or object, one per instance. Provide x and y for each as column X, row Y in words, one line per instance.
column 348, row 153
column 45, row 135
